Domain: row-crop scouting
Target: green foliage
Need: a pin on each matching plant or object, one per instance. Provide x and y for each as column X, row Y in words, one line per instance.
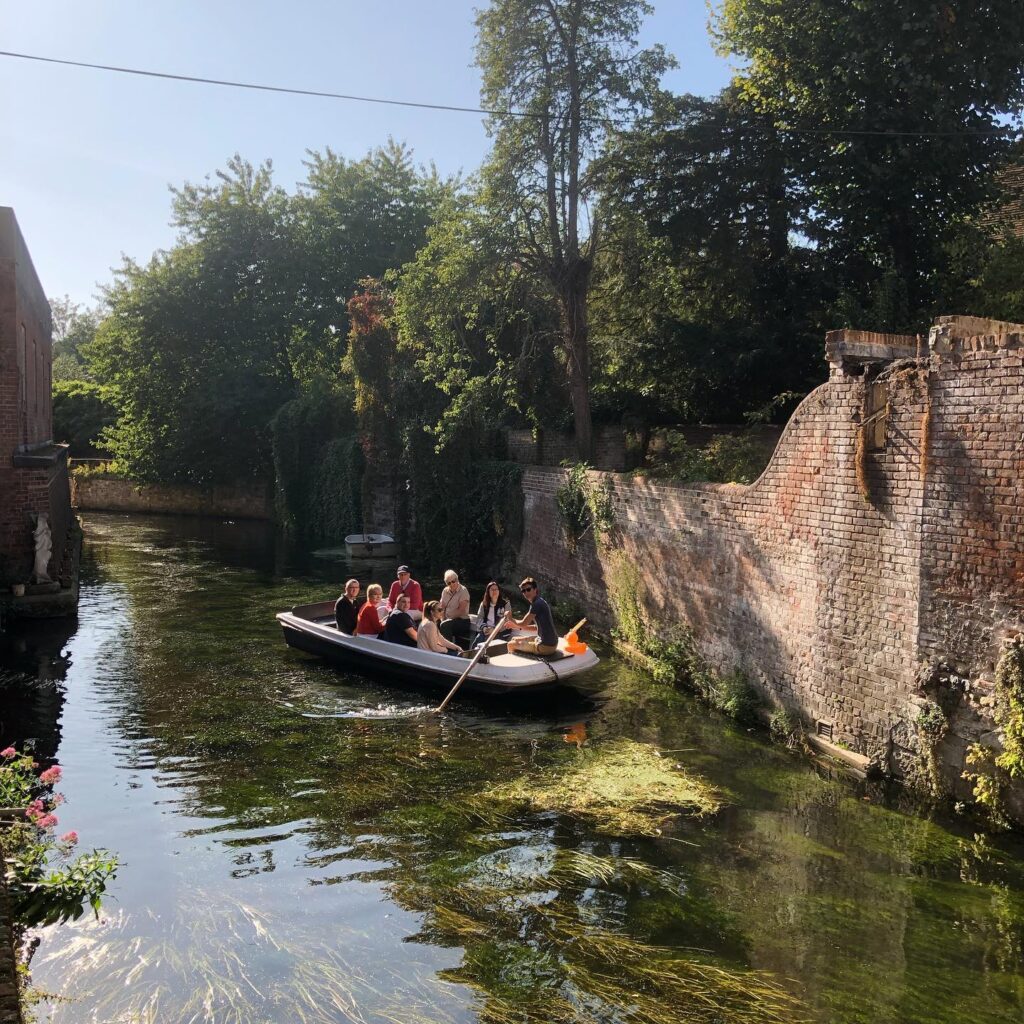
column 986, row 784
column 1010, row 708
column 82, row 411
column 248, row 310
column 727, row 458
column 582, row 507
column 314, row 465
column 784, row 726
column 707, row 300
column 478, row 327
column 572, row 67
column 885, row 182
column 73, row 329
column 111, row 470
column 195, row 345
column 336, row 505
column 932, row 725
column 46, row 884
column 466, row 510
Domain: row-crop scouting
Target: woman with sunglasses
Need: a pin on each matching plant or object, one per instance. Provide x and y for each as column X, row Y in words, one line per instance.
column 546, row 640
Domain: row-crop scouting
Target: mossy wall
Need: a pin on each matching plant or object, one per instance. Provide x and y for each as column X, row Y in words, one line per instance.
column 836, row 596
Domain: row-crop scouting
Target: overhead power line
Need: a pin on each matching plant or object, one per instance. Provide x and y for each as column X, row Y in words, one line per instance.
column 351, row 97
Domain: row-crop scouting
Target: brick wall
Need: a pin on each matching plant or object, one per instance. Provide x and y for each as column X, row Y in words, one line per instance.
column 26, row 413
column 835, row 604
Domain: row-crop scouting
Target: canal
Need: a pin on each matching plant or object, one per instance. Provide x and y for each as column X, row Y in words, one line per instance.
column 301, row 845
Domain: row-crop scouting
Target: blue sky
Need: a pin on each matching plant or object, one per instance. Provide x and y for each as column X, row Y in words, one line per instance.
column 86, row 156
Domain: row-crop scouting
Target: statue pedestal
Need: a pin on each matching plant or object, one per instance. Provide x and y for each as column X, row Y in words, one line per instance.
column 50, row 587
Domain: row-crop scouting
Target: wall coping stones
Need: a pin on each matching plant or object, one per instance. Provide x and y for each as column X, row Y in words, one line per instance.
column 952, row 335
column 846, row 348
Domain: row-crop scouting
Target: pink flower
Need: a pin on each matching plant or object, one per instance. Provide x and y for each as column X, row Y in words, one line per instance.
column 46, row 821
column 51, row 775
column 8, row 753
column 36, row 805
column 70, row 837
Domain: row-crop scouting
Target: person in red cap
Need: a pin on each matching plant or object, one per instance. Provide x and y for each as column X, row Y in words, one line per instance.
column 405, row 584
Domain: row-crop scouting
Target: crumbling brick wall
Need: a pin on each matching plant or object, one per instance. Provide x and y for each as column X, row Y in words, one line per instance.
column 837, row 578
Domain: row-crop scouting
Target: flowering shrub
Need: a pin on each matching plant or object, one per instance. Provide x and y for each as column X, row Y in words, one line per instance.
column 46, row 885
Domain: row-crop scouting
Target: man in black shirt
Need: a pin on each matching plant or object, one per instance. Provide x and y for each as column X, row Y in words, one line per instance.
column 399, row 628
column 346, row 608
column 546, row 640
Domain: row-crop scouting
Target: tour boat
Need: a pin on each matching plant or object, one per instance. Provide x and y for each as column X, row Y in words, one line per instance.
column 311, row 628
column 371, row 545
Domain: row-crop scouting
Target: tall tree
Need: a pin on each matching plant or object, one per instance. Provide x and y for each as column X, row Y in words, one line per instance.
column 707, row 300
column 897, row 112
column 559, row 75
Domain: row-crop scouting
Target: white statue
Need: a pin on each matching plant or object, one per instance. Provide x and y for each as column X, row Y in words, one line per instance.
column 44, row 545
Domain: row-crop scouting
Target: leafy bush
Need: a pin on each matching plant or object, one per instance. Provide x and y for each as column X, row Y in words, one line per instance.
column 82, row 410
column 300, row 434
column 582, row 507
column 727, row 458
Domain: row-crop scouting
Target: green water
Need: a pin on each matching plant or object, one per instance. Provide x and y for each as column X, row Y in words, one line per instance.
column 300, row 845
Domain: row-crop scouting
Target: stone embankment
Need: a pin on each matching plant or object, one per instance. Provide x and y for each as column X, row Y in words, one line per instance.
column 111, row 494
column 876, row 567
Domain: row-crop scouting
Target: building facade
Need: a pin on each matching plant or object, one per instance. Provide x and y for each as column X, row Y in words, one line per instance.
column 33, row 470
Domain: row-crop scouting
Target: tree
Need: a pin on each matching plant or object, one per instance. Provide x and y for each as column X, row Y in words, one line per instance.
column 481, row 330
column 558, row 74
column 356, row 219
column 707, row 300
column 197, row 344
column 73, row 328
column 896, row 114
column 82, row 411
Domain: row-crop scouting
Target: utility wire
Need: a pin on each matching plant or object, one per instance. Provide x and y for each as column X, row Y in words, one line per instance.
column 458, row 109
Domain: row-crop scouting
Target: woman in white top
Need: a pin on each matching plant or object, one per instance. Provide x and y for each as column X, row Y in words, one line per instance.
column 493, row 608
column 455, row 621
column 429, row 637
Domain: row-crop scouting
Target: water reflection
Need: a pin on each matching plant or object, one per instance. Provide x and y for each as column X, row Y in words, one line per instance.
column 304, row 845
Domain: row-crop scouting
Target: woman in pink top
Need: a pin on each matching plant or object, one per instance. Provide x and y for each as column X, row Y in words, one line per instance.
column 428, row 636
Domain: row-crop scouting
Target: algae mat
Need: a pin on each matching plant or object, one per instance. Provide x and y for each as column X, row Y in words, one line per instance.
column 621, row 788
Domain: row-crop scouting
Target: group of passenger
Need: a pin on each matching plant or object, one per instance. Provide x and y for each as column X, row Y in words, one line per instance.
column 443, row 626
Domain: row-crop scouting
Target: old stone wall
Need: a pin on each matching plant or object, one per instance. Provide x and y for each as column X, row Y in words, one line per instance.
column 550, row 448
column 101, row 494
column 845, row 571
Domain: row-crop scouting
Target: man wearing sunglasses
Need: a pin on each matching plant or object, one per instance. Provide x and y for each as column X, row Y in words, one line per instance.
column 546, row 640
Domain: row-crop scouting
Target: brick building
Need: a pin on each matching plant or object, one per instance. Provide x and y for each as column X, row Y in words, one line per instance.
column 33, row 470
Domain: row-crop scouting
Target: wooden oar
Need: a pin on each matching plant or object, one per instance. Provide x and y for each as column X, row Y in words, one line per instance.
column 579, row 625
column 469, row 668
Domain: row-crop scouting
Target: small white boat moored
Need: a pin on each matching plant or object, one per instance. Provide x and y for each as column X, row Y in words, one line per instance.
column 371, row 545
column 311, row 628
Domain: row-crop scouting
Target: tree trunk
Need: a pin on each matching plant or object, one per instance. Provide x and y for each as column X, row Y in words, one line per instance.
column 576, row 339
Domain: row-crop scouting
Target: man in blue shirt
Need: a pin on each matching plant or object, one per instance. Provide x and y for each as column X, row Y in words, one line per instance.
column 546, row 640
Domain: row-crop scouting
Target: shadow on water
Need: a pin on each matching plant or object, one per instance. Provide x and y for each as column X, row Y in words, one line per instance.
column 304, row 845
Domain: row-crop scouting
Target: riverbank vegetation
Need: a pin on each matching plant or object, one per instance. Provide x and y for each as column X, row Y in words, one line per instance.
column 624, row 255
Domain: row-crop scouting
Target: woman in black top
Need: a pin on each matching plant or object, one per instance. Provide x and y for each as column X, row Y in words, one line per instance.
column 399, row 628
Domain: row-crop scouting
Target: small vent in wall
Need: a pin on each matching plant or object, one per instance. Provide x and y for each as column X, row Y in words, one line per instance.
column 824, row 729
